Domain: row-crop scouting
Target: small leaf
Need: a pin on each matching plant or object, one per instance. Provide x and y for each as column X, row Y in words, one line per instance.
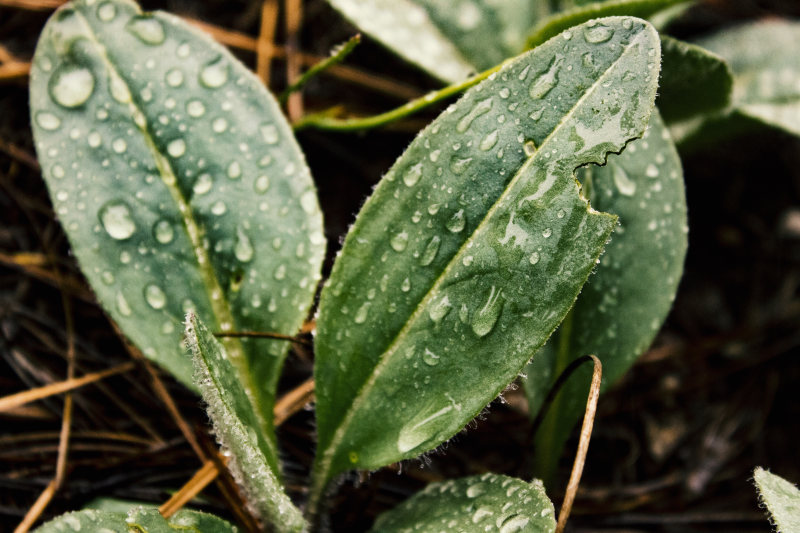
column 781, row 498
column 564, row 20
column 473, row 247
column 86, row 520
column 693, row 80
column 236, row 427
column 489, row 502
column 623, row 305
column 178, row 182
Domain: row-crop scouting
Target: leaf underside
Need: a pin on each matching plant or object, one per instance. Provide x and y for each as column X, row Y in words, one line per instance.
column 781, row 498
column 489, row 502
column 178, row 182
column 474, row 246
column 622, row 306
column 137, row 520
column 235, row 425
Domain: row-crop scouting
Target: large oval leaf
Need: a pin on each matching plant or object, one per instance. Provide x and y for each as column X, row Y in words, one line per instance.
column 474, row 246
column 178, row 182
column 623, row 305
column 137, row 520
column 489, row 502
column 235, row 423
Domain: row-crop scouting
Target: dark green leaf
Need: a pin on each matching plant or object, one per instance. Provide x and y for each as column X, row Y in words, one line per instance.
column 623, row 305
column 137, row 520
column 481, row 503
column 236, row 427
column 781, row 498
column 473, row 247
column 178, row 182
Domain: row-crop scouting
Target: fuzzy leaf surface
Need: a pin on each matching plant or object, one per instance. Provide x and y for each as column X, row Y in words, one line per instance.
column 782, row 499
column 178, row 182
column 137, row 520
column 489, row 502
column 473, row 247
column 623, row 305
column 236, row 428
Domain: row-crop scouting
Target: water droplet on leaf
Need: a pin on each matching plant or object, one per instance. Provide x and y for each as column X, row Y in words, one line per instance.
column 116, row 219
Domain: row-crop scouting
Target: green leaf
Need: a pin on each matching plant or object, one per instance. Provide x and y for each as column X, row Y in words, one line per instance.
column 623, row 305
column 564, row 20
column 137, row 520
column 693, row 80
column 473, row 247
column 489, row 502
column 781, row 498
column 235, row 424
column 179, row 184
column 766, row 67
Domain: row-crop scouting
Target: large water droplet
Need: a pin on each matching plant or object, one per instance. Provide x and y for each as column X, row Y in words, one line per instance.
column 624, row 184
column 48, row 121
column 116, row 219
column 597, row 33
column 488, row 142
column 119, row 90
column 534, row 258
column 431, row 249
column 147, row 29
column 440, row 309
column 430, row 358
column 399, row 241
column 545, row 82
column 362, row 313
column 163, row 231
column 243, row 249
column 412, row 175
column 514, row 524
column 155, row 297
column 71, row 85
column 475, row 490
column 215, row 73
column 176, row 148
column 195, row 108
column 415, row 433
column 480, row 108
column 457, row 221
column 459, row 164
column 483, row 321
column 106, row 11
column 480, row 514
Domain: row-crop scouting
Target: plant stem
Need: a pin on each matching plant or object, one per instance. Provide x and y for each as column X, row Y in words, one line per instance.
column 325, row 121
column 338, row 54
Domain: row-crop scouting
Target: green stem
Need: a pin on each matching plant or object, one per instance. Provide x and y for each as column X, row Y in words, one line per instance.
column 338, row 54
column 325, row 121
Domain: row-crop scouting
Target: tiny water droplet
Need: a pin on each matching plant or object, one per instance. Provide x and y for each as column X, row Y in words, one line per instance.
column 545, row 82
column 175, row 77
column 48, row 121
column 122, row 305
column 484, row 320
column 430, row 358
column 163, row 231
column 433, row 209
column 94, row 139
column 547, row 232
column 399, row 241
column 625, row 185
column 561, row 213
column 119, row 146
column 124, row 257
column 270, row 133
column 71, row 85
column 219, row 208
column 309, row 201
column 234, row 170
column 215, row 73
column 597, row 33
column 219, row 125
column 116, row 219
column 456, row 222
column 155, row 297
column 406, row 285
column 459, row 164
column 195, row 108
column 203, row 184
column 431, row 249
column 106, row 11
column 479, row 109
column 530, row 148
column 362, row 313
column 243, row 249
column 488, row 142
column 412, row 175
column 261, row 184
column 534, row 258
column 280, row 272
column 504, row 92
column 176, row 148
column 514, row 524
column 57, row 171
column 651, row 171
column 480, row 514
column 119, row 90
column 475, row 490
column 147, row 29
column 440, row 309
column 107, row 277
column 536, row 114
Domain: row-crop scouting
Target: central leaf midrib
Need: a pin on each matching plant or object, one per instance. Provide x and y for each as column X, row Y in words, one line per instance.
column 367, row 385
column 194, row 231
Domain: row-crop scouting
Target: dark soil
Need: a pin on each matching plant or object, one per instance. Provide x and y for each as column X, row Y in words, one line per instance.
column 675, row 443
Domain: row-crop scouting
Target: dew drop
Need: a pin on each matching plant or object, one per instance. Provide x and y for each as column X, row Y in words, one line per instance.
column 484, row 320
column 399, row 241
column 597, row 33
column 94, row 139
column 234, row 170
column 459, row 164
column 215, row 73
column 243, row 249
column 479, row 109
column 119, row 145
column 219, row 208
column 195, row 108
column 71, row 85
column 219, row 125
column 122, row 305
column 545, row 82
column 57, row 171
column 514, row 524
column 362, row 313
column 155, row 297
column 480, row 514
column 430, row 358
column 536, row 114
column 488, row 142
column 280, row 272
column 431, row 249
column 309, row 201
column 406, row 285
column 163, row 231
column 504, row 92
column 433, row 209
column 261, row 184
column 270, row 133
column 440, row 309
column 147, row 29
column 119, row 90
column 124, row 257
column 547, row 232
column 183, row 50
column 412, row 175
column 116, row 219
column 534, row 258
column 651, row 171
column 456, row 222
column 203, row 184
column 475, row 490
column 530, row 148
column 48, row 121
column 176, row 148
column 106, row 11
column 107, row 277
column 175, row 78
column 625, row 185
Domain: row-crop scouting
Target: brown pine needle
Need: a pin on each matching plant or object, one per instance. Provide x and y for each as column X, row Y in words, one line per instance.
column 293, row 13
column 33, row 5
column 36, row 509
column 293, row 401
column 13, row 401
column 583, row 445
column 266, row 39
column 262, row 335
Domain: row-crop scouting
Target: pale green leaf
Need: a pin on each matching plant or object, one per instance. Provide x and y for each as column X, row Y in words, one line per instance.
column 489, row 502
column 137, row 520
column 236, row 428
column 564, row 20
column 693, row 80
column 86, row 520
column 623, row 305
column 782, row 500
column 178, row 182
column 473, row 247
